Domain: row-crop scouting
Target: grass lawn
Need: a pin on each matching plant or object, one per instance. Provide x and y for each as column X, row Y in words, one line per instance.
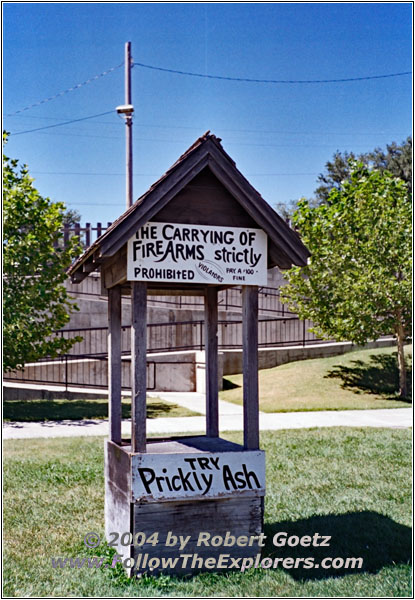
column 356, row 380
column 352, row 484
column 96, row 408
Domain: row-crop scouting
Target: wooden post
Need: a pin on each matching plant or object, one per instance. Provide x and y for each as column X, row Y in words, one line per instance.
column 211, row 362
column 250, row 366
column 114, row 363
column 138, row 365
column 66, row 230
column 129, row 127
column 87, row 235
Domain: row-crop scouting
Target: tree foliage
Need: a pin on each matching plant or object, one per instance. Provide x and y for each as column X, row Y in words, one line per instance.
column 34, row 268
column 71, row 217
column 357, row 284
column 397, row 159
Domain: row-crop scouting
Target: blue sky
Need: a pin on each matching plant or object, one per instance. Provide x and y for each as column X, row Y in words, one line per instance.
column 280, row 135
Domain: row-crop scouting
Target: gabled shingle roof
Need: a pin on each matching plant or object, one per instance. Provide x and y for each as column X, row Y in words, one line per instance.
column 285, row 246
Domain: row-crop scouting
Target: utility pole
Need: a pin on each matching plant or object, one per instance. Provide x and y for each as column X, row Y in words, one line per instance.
column 127, row 111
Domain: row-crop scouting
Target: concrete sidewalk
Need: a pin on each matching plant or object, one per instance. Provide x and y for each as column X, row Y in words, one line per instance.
column 392, row 418
column 196, row 401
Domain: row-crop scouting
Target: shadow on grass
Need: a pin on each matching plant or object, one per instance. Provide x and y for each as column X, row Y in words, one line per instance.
column 377, row 540
column 229, row 385
column 58, row 410
column 378, row 376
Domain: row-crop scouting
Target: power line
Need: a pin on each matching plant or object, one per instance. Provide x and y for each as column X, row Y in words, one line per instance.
column 258, row 131
column 268, row 131
column 248, row 80
column 157, row 174
column 93, row 173
column 300, row 145
column 71, row 89
column 43, row 118
column 181, row 142
column 83, row 135
column 175, row 141
column 279, row 174
column 91, row 204
column 220, row 129
column 64, row 123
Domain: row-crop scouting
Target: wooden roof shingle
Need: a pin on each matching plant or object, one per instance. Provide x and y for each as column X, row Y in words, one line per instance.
column 285, row 246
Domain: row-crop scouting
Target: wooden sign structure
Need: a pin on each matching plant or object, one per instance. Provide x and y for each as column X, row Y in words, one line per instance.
column 201, row 228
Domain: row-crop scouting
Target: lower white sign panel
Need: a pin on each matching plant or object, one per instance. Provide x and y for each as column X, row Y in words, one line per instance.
column 168, row 252
column 201, row 475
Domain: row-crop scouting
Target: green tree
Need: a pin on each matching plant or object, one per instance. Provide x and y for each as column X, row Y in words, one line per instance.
column 35, row 301
column 71, row 217
column 285, row 209
column 357, row 283
column 337, row 170
column 397, row 159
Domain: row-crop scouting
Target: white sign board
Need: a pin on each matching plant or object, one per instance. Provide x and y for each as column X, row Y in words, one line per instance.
column 198, row 475
column 168, row 252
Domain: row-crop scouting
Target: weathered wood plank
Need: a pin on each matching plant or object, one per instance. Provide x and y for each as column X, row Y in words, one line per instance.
column 117, row 515
column 282, row 236
column 169, row 477
column 175, row 289
column 118, row 467
column 154, row 202
column 205, row 201
column 79, row 275
column 191, row 444
column 170, row 289
column 114, row 271
column 89, row 267
column 250, row 366
column 118, row 507
column 281, row 251
column 227, row 514
column 211, row 351
column 114, row 363
column 138, row 365
column 284, row 245
column 238, row 516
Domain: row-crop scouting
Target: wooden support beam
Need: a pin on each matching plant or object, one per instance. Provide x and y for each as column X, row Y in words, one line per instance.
column 138, row 365
column 211, row 363
column 90, row 266
column 114, row 363
column 78, row 276
column 250, row 366
column 114, row 271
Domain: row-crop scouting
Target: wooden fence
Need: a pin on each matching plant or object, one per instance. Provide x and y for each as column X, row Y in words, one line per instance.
column 87, row 234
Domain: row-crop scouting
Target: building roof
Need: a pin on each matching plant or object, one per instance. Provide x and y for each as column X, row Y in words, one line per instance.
column 285, row 247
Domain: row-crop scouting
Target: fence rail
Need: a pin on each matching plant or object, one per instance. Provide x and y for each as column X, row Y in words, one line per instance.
column 87, row 235
column 86, row 371
column 86, row 364
column 230, row 299
column 189, row 335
